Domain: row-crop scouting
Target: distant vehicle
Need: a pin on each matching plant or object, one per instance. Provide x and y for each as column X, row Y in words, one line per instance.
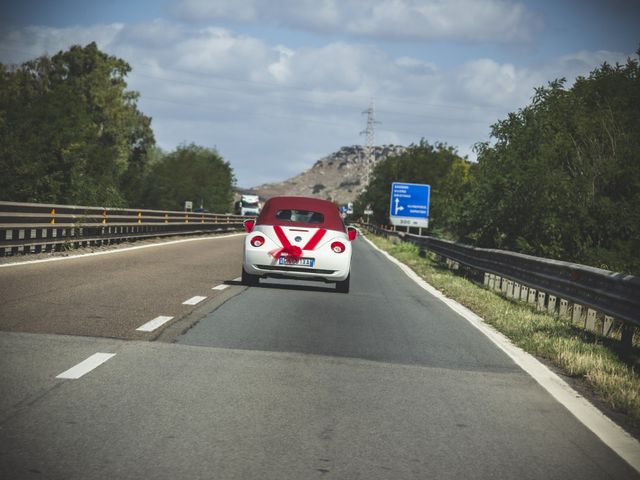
column 299, row 238
column 248, row 205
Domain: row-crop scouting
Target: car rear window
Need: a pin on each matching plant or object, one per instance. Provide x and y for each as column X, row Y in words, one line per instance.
column 311, row 212
column 301, row 216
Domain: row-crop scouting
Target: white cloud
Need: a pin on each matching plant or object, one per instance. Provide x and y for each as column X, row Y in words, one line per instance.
column 281, row 69
column 416, row 64
column 20, row 44
column 241, row 10
column 583, row 62
column 488, row 82
column 501, row 21
column 214, row 50
column 269, row 107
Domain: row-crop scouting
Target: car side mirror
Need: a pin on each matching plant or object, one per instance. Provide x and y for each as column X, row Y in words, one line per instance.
column 352, row 233
column 248, row 225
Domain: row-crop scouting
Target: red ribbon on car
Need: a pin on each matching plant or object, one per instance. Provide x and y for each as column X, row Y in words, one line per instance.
column 294, row 251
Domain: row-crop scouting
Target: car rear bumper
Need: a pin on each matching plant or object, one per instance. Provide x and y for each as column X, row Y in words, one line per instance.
column 262, row 264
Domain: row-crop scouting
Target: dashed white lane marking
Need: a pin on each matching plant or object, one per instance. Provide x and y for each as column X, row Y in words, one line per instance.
column 119, row 250
column 153, row 324
column 193, row 300
column 220, row 287
column 86, row 366
column 237, row 279
column 609, row 432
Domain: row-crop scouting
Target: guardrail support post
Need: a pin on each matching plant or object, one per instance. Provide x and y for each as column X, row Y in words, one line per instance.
column 564, row 308
column 510, row 288
column 578, row 316
column 532, row 296
column 524, row 293
column 551, row 304
column 628, row 331
column 607, row 325
column 591, row 323
column 541, row 300
column 517, row 288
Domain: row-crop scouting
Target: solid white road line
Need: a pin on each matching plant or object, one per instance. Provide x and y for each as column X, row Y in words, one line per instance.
column 608, row 431
column 86, row 366
column 193, row 300
column 120, row 250
column 153, row 324
column 220, row 287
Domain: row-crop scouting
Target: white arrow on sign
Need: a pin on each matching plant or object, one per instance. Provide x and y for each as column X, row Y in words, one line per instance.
column 398, row 207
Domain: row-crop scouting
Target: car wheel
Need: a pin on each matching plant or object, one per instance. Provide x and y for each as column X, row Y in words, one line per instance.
column 343, row 286
column 248, row 279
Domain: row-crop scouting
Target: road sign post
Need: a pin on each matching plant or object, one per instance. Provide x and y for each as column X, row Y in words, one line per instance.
column 409, row 205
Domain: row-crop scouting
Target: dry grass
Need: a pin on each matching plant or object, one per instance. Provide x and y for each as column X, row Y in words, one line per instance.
column 541, row 334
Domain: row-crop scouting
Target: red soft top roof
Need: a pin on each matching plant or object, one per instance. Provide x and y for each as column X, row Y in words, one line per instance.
column 329, row 210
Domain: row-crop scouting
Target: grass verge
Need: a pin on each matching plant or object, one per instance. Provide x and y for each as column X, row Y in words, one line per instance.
column 577, row 353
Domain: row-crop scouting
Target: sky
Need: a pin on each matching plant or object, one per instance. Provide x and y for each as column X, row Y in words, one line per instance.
column 275, row 85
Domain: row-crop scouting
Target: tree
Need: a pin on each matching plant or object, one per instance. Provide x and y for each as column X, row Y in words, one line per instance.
column 190, row 173
column 70, row 132
column 438, row 165
column 562, row 179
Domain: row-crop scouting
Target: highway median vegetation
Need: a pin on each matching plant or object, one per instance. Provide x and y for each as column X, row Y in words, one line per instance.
column 595, row 361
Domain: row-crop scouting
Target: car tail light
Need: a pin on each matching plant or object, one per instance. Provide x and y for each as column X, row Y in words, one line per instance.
column 257, row 241
column 248, row 225
column 338, row 247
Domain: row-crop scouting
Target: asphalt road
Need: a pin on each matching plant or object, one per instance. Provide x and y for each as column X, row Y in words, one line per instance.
column 112, row 295
column 286, row 380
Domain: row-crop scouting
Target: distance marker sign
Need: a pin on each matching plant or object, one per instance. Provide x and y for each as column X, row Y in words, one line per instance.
column 409, row 204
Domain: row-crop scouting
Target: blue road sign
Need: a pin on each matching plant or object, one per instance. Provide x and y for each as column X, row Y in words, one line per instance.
column 409, row 204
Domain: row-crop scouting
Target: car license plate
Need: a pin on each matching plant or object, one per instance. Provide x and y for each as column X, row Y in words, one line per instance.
column 299, row 262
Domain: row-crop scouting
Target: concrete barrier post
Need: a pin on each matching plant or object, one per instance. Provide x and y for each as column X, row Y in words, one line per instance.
column 578, row 316
column 607, row 326
column 628, row 331
column 563, row 311
column 591, row 323
column 510, row 288
column 541, row 301
column 516, row 290
column 551, row 304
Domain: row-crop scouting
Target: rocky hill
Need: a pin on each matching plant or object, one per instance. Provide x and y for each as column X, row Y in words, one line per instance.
column 340, row 176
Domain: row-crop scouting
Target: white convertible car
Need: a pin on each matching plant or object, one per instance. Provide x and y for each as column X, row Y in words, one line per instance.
column 301, row 238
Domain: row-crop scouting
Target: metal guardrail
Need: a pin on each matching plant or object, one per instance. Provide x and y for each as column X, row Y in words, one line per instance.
column 614, row 294
column 35, row 227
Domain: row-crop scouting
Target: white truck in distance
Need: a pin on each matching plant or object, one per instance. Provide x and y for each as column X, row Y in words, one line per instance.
column 248, row 205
